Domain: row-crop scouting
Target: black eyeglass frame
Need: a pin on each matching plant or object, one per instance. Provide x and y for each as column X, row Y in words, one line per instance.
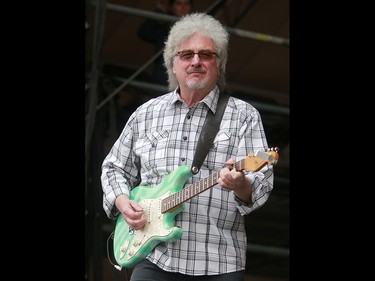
column 201, row 54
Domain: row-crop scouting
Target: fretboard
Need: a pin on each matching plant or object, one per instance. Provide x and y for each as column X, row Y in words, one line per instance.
column 194, row 189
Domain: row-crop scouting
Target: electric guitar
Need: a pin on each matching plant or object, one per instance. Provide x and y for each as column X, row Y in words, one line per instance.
column 162, row 203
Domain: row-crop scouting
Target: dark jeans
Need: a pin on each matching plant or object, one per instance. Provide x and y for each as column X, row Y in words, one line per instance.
column 147, row 271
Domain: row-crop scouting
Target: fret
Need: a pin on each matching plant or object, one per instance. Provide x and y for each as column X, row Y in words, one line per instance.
column 168, row 204
column 164, row 204
column 192, row 191
column 197, row 188
column 187, row 193
column 173, row 200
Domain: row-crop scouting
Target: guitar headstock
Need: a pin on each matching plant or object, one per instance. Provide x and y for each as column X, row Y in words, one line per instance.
column 255, row 162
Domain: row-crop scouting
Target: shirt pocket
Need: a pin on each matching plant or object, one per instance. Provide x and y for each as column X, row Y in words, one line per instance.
column 221, row 149
column 152, row 148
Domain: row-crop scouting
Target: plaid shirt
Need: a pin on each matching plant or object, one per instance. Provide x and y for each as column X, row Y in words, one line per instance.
column 160, row 136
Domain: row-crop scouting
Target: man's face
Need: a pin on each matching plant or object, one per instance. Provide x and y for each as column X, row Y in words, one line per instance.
column 196, row 71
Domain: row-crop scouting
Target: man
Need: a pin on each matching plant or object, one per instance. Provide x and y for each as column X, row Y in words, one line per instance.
column 162, row 135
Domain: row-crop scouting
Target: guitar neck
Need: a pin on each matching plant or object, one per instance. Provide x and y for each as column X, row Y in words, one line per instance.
column 194, row 189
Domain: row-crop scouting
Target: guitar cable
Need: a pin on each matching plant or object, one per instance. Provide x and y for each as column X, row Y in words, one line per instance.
column 109, row 258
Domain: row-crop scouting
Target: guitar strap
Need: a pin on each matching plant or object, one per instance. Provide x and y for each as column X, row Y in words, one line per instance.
column 209, row 131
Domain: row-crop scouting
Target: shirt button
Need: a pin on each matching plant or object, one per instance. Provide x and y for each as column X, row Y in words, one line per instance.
column 184, row 138
column 188, row 116
column 182, row 159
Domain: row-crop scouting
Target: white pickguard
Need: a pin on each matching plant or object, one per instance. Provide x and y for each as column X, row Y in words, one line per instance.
column 153, row 228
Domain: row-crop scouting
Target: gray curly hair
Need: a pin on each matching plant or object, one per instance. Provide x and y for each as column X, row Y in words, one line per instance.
column 185, row 27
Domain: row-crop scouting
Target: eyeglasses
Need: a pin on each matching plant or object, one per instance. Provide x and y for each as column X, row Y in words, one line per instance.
column 203, row 55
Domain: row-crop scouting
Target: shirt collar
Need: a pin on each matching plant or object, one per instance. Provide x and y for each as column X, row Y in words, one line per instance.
column 210, row 100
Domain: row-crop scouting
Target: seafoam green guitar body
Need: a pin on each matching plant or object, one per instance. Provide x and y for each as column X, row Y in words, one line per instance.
column 132, row 246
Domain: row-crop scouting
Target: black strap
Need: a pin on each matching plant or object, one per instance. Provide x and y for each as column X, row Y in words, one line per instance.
column 209, row 131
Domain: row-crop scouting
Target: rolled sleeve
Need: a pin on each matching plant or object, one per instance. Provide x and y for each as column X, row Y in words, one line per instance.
column 262, row 184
